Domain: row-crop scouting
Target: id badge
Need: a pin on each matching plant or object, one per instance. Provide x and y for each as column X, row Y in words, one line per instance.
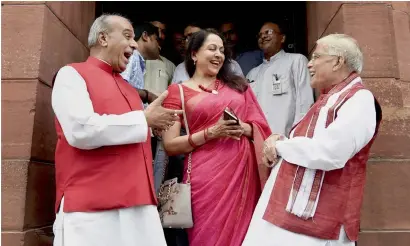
column 276, row 87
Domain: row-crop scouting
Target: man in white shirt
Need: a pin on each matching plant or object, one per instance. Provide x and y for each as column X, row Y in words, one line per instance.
column 282, row 82
column 159, row 72
column 104, row 187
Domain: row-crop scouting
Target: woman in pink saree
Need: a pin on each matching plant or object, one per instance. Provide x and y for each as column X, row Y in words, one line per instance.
column 225, row 182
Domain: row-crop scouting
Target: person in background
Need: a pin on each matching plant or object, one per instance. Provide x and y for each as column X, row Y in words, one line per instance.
column 246, row 59
column 225, row 185
column 282, row 82
column 104, row 187
column 159, row 72
column 148, row 48
column 178, row 42
column 180, row 73
column 314, row 194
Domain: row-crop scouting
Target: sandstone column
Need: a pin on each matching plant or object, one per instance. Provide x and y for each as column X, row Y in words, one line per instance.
column 37, row 39
column 382, row 29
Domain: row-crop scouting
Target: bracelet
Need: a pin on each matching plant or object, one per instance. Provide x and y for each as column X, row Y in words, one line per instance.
column 193, row 145
column 206, row 134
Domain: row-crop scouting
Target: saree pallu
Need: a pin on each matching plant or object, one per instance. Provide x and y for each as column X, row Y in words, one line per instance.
column 225, row 182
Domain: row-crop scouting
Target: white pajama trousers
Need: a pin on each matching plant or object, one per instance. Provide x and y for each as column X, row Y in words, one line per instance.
column 134, row 226
column 263, row 233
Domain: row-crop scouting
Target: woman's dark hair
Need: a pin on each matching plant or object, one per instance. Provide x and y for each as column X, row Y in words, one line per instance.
column 225, row 74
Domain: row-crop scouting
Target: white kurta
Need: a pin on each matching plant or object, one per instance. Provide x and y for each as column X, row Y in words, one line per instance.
column 293, row 97
column 85, row 129
column 158, row 75
column 329, row 149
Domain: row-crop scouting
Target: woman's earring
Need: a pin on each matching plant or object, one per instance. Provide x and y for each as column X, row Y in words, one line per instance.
column 194, row 63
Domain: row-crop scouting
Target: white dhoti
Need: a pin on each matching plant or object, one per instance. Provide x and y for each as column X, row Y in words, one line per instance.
column 134, row 226
column 263, row 233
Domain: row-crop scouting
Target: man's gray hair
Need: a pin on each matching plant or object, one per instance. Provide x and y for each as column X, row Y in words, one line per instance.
column 101, row 24
column 345, row 46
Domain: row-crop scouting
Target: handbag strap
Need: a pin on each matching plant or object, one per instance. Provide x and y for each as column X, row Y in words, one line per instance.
column 188, row 171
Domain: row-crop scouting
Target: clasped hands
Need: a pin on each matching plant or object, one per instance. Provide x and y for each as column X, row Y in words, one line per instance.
column 270, row 156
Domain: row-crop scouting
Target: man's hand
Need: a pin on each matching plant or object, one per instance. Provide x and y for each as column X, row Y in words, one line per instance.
column 270, row 157
column 158, row 117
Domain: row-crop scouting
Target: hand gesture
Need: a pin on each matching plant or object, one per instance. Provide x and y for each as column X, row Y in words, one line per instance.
column 159, row 117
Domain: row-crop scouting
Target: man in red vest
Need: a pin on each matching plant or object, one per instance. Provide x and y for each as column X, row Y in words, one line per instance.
column 314, row 194
column 105, row 191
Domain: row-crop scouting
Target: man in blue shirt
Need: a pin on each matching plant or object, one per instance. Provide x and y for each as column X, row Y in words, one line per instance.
column 148, row 48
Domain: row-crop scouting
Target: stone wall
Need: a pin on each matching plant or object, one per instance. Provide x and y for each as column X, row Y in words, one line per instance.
column 37, row 39
column 382, row 29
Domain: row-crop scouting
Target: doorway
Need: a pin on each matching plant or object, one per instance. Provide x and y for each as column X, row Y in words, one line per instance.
column 248, row 16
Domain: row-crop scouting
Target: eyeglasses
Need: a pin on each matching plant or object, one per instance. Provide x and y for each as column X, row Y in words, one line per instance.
column 316, row 56
column 268, row 32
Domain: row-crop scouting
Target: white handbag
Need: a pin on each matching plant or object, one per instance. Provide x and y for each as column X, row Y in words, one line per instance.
column 175, row 198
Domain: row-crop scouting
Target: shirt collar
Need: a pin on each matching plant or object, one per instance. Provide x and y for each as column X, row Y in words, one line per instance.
column 140, row 59
column 274, row 57
column 138, row 54
column 100, row 64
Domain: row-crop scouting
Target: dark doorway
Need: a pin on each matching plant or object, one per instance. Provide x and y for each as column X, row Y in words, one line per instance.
column 249, row 16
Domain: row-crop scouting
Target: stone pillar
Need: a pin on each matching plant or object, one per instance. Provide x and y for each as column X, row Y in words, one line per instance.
column 37, row 39
column 382, row 29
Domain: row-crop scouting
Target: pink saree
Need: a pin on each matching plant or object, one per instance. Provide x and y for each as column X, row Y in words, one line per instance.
column 225, row 182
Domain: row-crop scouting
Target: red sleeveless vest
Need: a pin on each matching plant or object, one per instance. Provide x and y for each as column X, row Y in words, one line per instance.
column 341, row 195
column 109, row 177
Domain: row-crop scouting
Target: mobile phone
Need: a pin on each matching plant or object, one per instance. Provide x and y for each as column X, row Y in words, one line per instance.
column 230, row 116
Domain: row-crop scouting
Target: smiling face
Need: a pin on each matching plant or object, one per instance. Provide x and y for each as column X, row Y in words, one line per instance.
column 270, row 38
column 118, row 43
column 210, row 57
column 321, row 68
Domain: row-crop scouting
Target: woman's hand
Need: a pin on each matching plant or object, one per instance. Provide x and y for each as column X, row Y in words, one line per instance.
column 247, row 129
column 225, row 128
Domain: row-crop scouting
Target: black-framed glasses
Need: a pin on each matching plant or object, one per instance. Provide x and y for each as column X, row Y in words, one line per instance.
column 268, row 32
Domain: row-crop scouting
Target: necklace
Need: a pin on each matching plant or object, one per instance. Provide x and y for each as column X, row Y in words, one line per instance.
column 214, row 91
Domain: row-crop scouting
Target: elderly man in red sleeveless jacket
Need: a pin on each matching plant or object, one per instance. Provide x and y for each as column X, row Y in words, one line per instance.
column 314, row 194
column 105, row 192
